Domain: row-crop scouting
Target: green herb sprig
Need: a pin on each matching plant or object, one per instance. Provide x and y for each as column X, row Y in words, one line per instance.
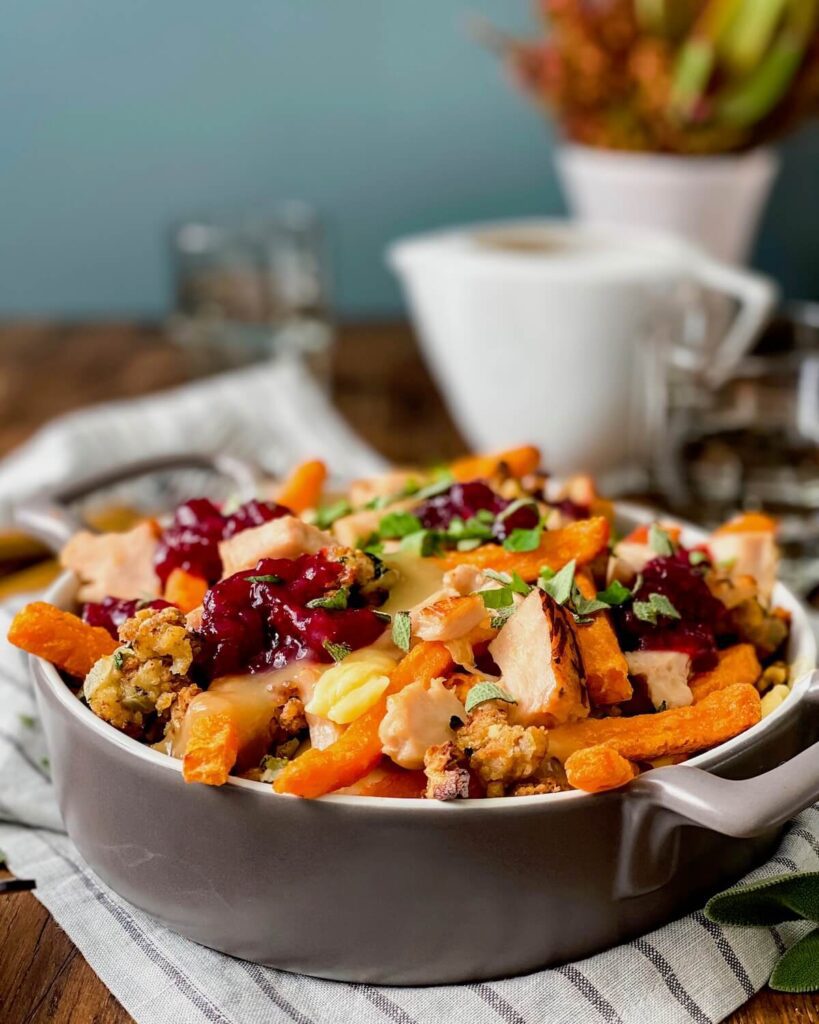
column 789, row 897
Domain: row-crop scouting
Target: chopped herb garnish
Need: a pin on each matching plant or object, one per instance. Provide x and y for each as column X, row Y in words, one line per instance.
column 29, row 721
column 270, row 577
column 422, row 543
column 395, row 525
column 519, row 585
column 335, row 600
column 659, row 541
column 498, row 577
column 615, row 594
column 656, row 605
column 524, row 540
column 469, row 544
column 698, row 557
column 483, row 692
column 474, row 528
column 326, row 515
column 443, row 483
column 338, row 652
column 559, row 585
column 584, row 606
column 501, row 616
column 402, row 631
column 119, row 654
column 500, row 597
column 518, row 503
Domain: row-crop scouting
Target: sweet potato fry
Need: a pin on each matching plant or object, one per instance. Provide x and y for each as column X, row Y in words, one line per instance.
column 737, row 664
column 185, row 590
column 596, row 769
column 715, row 719
column 387, row 779
column 302, row 489
column 60, row 637
column 748, row 522
column 358, row 750
column 605, row 664
column 211, row 750
column 583, row 541
column 517, row 461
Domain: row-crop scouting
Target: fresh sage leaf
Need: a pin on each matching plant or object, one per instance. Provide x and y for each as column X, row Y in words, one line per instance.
column 559, row 586
column 336, row 600
column 338, row 652
column 482, row 692
column 395, row 525
column 659, row 541
column 502, row 597
column 326, row 515
column 523, row 540
column 798, row 969
column 787, row 897
column 615, row 594
column 402, row 630
column 656, row 605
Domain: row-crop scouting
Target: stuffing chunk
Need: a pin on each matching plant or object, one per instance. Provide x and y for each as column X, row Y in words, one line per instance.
column 286, row 537
column 159, row 633
column 418, row 718
column 114, row 564
column 447, row 771
column 767, row 631
column 537, row 655
column 140, row 678
column 499, row 753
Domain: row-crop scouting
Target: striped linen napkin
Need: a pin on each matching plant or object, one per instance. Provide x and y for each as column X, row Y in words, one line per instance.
column 689, row 970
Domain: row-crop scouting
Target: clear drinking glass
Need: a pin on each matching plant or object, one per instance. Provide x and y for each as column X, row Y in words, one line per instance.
column 253, row 288
column 754, row 443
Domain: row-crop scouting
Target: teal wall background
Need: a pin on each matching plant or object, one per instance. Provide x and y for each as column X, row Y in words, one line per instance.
column 117, row 117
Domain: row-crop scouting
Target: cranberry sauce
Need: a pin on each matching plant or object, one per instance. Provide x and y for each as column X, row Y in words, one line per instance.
column 111, row 612
column 254, row 624
column 464, row 501
column 191, row 541
column 702, row 616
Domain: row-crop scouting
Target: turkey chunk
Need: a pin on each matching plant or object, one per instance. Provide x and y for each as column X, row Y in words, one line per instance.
column 448, row 618
column 751, row 553
column 287, row 537
column 114, row 564
column 418, row 718
column 666, row 675
column 540, row 667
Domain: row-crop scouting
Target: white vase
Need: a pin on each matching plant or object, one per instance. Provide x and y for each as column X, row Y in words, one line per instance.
column 714, row 201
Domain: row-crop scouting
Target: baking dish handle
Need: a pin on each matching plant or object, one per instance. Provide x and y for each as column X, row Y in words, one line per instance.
column 48, row 518
column 741, row 808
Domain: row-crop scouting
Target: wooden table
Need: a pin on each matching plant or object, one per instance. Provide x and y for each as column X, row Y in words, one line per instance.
column 382, row 388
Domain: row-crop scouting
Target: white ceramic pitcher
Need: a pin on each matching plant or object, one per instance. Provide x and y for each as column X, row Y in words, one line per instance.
column 556, row 332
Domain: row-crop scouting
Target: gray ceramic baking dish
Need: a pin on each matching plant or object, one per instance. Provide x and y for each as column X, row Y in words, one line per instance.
column 418, row 892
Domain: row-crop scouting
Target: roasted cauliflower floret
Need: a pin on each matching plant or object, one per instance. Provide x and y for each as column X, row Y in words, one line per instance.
column 499, row 753
column 142, row 677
